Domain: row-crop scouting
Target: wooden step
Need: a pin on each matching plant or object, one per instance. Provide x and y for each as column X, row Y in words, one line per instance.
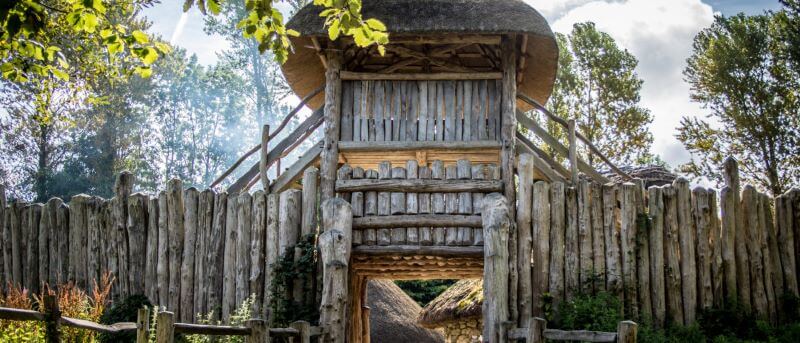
column 417, row 220
column 419, row 185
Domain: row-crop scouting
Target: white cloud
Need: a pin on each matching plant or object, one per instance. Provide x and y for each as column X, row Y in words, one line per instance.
column 660, row 34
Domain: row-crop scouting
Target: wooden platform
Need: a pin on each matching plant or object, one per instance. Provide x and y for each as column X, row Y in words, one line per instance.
column 368, row 155
column 417, row 263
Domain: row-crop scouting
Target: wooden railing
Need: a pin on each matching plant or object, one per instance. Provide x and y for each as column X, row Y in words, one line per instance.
column 254, row 330
column 537, row 332
column 569, row 152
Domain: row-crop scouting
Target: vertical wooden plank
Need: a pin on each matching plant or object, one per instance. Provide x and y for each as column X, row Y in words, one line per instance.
column 412, row 201
column 367, row 120
column 215, row 256
column 176, row 235
column 229, row 259
column 524, row 247
column 585, row 254
column 32, row 274
column 191, row 198
column 205, row 220
column 378, row 105
column 347, row 112
column 358, row 111
column 412, row 114
column 467, row 105
column 783, row 212
column 151, row 251
column 478, row 173
column 728, row 237
column 309, row 213
column 464, row 172
column 384, row 203
column 335, row 247
column 541, row 245
column 271, row 246
column 15, row 224
column 642, row 252
column 763, row 235
column 77, row 239
column 123, row 187
column 557, row 243
column 391, row 109
column 449, row 110
column 598, row 240
column 672, row 267
column 731, row 175
column 451, row 206
column 507, row 99
column 611, row 235
column 772, row 250
column 437, row 201
column 289, row 220
column 479, row 109
column 263, row 163
column 356, row 203
column 424, row 111
column 425, row 233
column 571, row 249
column 656, row 237
column 433, row 110
column 163, row 272
column 24, row 242
column 753, row 243
column 244, row 220
column 496, row 219
column 344, row 173
column 53, row 207
column 137, row 239
column 329, row 157
column 686, row 235
column 370, row 209
column 257, row 250
column 628, row 231
column 44, row 244
column 459, row 110
column 398, row 206
column 701, row 214
column 715, row 233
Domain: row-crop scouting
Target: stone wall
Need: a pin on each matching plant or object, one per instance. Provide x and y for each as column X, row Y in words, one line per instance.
column 463, row 331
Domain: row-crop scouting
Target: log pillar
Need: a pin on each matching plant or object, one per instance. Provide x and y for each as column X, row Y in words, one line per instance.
column 496, row 218
column 508, row 118
column 335, row 245
column 333, row 101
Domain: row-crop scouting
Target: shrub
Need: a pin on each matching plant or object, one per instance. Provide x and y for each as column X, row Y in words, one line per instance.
column 599, row 312
column 123, row 311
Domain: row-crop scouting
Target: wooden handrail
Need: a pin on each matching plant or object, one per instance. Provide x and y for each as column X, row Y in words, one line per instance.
column 35, row 316
column 580, row 136
column 272, row 135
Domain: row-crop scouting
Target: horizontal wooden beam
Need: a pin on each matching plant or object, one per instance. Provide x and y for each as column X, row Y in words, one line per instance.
column 216, row 330
column 295, row 171
column 377, row 146
column 419, row 185
column 580, row 335
column 416, row 220
column 433, row 250
column 447, row 39
column 349, row 75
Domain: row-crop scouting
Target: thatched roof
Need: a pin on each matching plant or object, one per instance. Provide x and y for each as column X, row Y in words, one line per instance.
column 393, row 315
column 461, row 301
column 305, row 72
column 652, row 175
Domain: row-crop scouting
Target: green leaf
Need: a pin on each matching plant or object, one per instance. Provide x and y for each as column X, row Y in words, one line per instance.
column 60, row 74
column 163, row 47
column 381, row 50
column 333, row 30
column 376, row 24
column 214, row 6
column 292, row 33
column 90, row 22
column 144, row 72
column 140, row 37
column 114, row 48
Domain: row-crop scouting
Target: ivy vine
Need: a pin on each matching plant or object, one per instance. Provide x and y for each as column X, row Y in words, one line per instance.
column 285, row 309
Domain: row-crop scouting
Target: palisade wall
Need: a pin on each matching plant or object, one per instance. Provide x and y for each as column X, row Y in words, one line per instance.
column 190, row 251
column 667, row 252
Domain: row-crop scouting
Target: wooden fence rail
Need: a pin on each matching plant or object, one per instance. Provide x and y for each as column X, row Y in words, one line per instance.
column 536, row 331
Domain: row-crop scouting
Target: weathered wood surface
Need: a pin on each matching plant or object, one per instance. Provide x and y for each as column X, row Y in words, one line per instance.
column 496, row 222
column 335, row 246
column 419, row 185
column 524, row 237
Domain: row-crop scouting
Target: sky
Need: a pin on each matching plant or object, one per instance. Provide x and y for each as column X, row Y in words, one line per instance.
column 658, row 32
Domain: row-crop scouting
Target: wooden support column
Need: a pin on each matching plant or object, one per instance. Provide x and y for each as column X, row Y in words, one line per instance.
column 508, row 153
column 335, row 244
column 496, row 224
column 330, row 149
column 573, row 152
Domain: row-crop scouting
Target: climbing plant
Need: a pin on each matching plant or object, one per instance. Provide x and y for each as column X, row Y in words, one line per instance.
column 286, row 309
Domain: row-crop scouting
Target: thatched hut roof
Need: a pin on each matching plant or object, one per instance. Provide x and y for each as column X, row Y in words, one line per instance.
column 652, row 175
column 393, row 315
column 304, row 70
column 461, row 301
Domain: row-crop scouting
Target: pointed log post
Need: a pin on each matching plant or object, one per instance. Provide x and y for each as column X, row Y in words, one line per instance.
column 536, row 327
column 259, row 332
column 304, row 329
column 508, row 48
column 52, row 319
column 496, row 218
column 333, row 101
column 335, row 244
column 165, row 327
column 525, row 170
column 263, row 166
column 626, row 332
column 142, row 325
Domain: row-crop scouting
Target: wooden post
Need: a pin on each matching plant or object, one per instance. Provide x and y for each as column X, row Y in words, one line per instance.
column 176, row 229
column 508, row 48
column 731, row 174
column 335, row 244
column 257, row 251
column 142, row 325
column 263, row 167
column 536, row 327
column 571, row 260
column 271, row 243
column 365, row 336
column 686, row 237
column 728, row 238
column 123, row 188
column 573, row 152
column 628, row 232
column 557, row 227
column 304, row 329
column 151, row 251
column 672, row 267
column 656, row 236
column 754, row 257
column 783, row 214
column 585, row 255
column 162, row 270
column 310, row 187
column 333, row 102
column 191, row 199
column 4, row 240
column 52, row 319
column 165, row 327
column 611, row 236
column 245, row 223
column 496, row 219
column 259, row 332
column 524, row 238
column 702, row 221
column 541, row 244
column 137, row 240
column 626, row 332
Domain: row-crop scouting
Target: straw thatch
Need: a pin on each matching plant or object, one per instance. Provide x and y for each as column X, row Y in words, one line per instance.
column 652, row 175
column 304, row 70
column 461, row 301
column 393, row 315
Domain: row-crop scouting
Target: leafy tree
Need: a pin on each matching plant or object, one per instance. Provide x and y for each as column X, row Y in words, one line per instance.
column 597, row 86
column 738, row 71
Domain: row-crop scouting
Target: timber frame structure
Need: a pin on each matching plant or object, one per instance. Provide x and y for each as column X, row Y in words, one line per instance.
column 419, row 155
